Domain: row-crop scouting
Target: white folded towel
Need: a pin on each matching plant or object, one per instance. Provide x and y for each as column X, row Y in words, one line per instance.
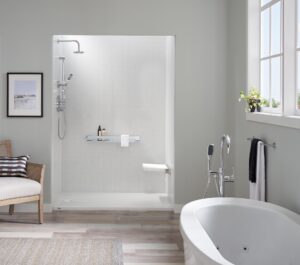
column 124, row 140
column 258, row 189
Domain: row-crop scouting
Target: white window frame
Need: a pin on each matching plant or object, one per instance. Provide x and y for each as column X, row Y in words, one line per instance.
column 296, row 58
column 288, row 117
column 272, row 56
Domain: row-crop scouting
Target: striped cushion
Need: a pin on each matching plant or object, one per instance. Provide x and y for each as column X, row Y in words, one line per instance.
column 13, row 166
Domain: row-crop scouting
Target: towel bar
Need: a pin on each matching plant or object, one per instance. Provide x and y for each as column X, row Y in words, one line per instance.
column 273, row 145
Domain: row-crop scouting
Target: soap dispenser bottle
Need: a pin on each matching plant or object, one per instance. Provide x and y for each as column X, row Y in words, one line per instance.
column 99, row 131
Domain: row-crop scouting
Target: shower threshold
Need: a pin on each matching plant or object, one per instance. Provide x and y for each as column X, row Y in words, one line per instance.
column 113, row 201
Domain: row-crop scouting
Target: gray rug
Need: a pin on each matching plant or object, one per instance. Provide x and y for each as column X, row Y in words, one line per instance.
column 29, row 251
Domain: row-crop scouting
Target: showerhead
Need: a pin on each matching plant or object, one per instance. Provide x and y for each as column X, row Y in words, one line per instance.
column 78, row 52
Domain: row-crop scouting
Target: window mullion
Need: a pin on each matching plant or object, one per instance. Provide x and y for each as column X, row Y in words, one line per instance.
column 289, row 60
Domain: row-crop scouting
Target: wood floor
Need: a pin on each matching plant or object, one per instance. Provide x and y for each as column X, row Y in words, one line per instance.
column 150, row 238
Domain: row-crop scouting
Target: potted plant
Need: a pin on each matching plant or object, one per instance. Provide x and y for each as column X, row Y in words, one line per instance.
column 253, row 99
column 275, row 103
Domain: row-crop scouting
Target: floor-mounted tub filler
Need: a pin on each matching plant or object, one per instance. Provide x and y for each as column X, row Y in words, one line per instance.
column 237, row 231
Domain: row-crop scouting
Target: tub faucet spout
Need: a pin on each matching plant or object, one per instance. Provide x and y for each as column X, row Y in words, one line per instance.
column 225, row 142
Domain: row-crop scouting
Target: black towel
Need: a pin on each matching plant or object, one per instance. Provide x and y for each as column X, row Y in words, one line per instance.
column 252, row 160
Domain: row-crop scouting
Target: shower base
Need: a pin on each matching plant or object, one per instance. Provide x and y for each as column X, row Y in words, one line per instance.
column 113, row 201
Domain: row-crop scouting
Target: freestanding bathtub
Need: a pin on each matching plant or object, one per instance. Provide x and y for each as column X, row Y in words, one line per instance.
column 236, row 231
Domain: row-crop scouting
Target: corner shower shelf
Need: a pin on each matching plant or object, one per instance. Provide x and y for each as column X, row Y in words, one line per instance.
column 110, row 138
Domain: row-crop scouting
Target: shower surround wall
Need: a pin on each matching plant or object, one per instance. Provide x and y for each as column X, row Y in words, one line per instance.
column 119, row 83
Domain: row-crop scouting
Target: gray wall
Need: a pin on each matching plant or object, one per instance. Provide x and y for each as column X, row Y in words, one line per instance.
column 200, row 26
column 283, row 163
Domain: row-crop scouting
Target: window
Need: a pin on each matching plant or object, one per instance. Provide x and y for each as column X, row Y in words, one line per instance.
column 274, row 60
column 271, row 54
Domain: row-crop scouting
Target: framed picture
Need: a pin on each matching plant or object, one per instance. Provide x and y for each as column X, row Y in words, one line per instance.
column 24, row 94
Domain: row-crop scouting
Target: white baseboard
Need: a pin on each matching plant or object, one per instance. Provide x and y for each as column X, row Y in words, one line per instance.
column 48, row 208
column 112, row 201
column 27, row 208
column 178, row 208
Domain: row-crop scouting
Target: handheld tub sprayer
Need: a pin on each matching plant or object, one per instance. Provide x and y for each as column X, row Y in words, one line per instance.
column 214, row 174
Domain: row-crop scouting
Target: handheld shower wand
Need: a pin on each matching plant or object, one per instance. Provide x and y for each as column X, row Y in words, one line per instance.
column 210, row 152
column 70, row 77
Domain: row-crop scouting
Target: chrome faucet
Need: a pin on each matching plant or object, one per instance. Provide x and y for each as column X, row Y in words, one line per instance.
column 219, row 176
column 225, row 140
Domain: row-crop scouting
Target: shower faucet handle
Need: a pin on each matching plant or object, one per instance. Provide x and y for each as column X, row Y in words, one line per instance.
column 230, row 178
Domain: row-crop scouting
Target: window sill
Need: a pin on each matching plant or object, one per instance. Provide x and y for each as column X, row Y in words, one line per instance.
column 274, row 119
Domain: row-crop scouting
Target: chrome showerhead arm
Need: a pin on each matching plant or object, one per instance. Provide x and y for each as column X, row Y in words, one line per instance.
column 74, row 41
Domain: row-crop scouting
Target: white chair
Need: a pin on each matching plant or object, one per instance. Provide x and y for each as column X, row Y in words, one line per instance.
column 14, row 190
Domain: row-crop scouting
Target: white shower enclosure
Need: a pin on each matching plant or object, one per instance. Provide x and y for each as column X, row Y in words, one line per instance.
column 126, row 85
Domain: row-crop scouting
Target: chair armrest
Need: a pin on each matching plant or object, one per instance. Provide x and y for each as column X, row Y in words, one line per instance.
column 36, row 172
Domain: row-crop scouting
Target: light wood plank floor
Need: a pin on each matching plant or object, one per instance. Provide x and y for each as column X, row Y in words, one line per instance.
column 150, row 238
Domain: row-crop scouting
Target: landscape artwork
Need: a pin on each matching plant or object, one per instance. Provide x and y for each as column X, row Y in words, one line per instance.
column 24, row 94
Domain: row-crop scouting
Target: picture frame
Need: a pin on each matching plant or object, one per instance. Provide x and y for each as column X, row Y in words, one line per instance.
column 25, row 94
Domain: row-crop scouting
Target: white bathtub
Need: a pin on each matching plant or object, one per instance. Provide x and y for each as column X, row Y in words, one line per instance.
column 239, row 231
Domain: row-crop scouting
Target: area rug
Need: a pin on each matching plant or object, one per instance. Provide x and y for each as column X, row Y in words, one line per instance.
column 62, row 251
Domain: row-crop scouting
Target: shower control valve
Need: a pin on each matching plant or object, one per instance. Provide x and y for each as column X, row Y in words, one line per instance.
column 60, row 104
column 230, row 178
column 61, row 84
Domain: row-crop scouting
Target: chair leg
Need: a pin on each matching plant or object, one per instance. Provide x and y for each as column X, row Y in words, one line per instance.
column 11, row 209
column 41, row 209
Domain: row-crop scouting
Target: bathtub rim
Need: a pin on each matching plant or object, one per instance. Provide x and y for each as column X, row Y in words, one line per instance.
column 195, row 234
